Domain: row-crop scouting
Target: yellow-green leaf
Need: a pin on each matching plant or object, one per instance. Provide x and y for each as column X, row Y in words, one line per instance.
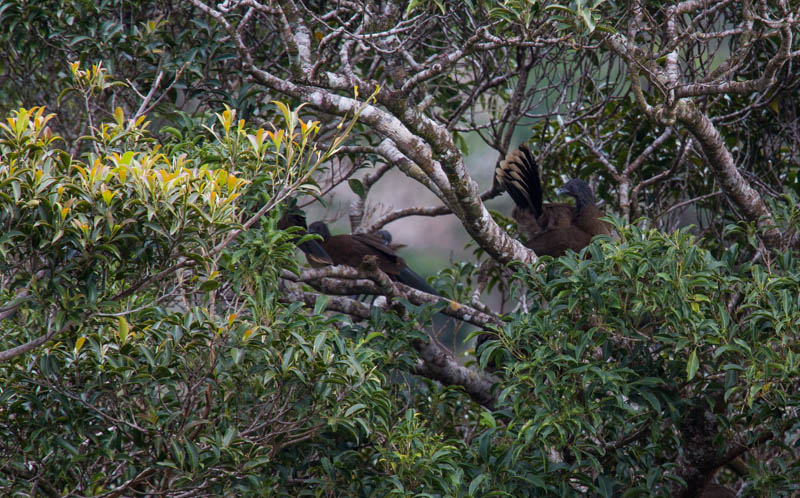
column 123, row 330
column 247, row 334
column 79, row 344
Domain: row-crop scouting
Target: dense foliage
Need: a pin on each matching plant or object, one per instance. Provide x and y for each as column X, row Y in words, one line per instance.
column 650, row 332
column 160, row 336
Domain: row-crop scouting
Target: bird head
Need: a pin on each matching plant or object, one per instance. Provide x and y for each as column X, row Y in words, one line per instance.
column 580, row 190
column 385, row 235
column 321, row 229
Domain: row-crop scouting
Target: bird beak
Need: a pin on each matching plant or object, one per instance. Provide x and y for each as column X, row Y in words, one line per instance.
column 562, row 191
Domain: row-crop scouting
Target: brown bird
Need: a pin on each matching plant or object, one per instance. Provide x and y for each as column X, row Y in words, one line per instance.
column 350, row 250
column 315, row 254
column 550, row 229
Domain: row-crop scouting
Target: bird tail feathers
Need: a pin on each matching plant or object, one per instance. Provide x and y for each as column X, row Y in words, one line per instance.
column 315, row 253
column 518, row 173
column 411, row 279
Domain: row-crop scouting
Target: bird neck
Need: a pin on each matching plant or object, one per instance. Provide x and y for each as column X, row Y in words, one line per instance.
column 583, row 200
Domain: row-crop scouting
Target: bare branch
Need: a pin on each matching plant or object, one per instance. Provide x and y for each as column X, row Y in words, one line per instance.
column 31, row 345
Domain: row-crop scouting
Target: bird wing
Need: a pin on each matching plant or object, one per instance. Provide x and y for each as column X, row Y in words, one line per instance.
column 376, row 243
column 412, row 279
column 557, row 215
column 392, row 264
column 589, row 221
column 556, row 242
column 315, row 253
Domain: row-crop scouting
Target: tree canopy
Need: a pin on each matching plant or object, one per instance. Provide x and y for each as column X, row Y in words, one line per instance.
column 161, row 335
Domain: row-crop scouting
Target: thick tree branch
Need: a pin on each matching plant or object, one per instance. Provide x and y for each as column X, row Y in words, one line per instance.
column 458, row 190
column 438, row 364
column 699, row 124
column 344, row 280
column 722, row 163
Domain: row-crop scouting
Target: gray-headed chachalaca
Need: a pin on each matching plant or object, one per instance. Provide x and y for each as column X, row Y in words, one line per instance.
column 549, row 229
column 350, row 250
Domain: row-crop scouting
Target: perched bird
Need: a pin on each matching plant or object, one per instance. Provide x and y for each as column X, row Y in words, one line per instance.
column 387, row 239
column 316, row 255
column 350, row 250
column 550, row 229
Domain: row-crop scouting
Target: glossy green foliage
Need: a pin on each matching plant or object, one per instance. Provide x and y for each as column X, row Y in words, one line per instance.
column 184, row 400
column 206, row 380
column 617, row 350
column 172, row 360
column 79, row 237
column 141, row 43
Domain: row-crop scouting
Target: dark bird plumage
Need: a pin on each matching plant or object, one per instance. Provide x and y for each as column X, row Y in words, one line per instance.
column 549, row 229
column 387, row 239
column 350, row 250
column 315, row 253
column 385, row 235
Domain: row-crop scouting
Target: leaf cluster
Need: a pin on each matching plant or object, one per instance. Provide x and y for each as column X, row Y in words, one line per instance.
column 621, row 346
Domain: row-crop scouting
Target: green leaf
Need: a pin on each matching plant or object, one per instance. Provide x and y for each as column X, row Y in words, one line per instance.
column 320, row 304
column 123, row 330
column 692, row 366
column 194, row 457
column 255, row 462
column 357, row 187
column 209, row 285
column 319, row 341
column 487, row 419
column 67, row 446
column 561, row 8
column 355, row 409
column 586, row 16
column 64, row 93
column 475, row 484
column 230, row 434
column 411, row 6
column 79, row 344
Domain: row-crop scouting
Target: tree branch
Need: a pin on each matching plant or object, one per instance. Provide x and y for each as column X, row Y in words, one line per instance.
column 438, row 364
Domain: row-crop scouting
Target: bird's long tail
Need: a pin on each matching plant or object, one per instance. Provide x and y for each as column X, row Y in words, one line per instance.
column 315, row 253
column 408, row 277
column 518, row 173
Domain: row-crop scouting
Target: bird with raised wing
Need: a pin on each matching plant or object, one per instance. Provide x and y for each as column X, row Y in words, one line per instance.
column 549, row 229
